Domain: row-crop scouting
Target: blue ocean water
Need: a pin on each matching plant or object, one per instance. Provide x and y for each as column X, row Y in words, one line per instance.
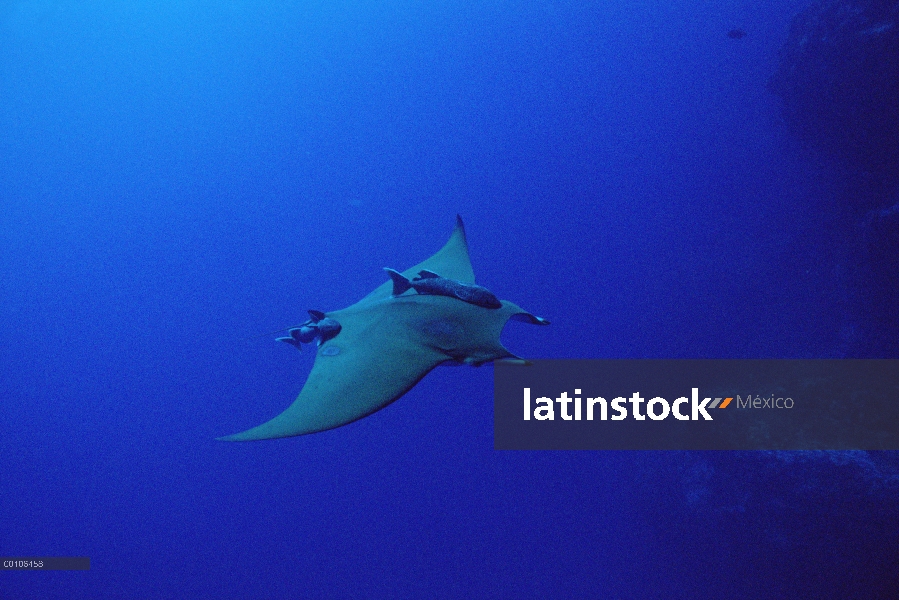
column 179, row 178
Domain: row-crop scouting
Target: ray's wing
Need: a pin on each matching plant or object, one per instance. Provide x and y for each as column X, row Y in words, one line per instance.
column 373, row 361
column 451, row 261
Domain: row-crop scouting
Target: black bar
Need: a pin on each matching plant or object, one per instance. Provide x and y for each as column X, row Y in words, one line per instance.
column 45, row 563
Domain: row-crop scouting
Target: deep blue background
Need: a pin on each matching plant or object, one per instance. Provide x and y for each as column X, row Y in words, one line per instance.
column 177, row 178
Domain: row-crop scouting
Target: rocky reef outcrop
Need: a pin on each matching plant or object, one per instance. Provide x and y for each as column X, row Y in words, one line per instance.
column 838, row 82
column 838, row 79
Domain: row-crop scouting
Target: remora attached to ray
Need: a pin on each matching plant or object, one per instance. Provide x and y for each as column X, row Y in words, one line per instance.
column 388, row 343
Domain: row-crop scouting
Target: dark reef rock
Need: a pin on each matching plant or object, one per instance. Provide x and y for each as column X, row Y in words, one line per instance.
column 880, row 289
column 785, row 524
column 838, row 79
